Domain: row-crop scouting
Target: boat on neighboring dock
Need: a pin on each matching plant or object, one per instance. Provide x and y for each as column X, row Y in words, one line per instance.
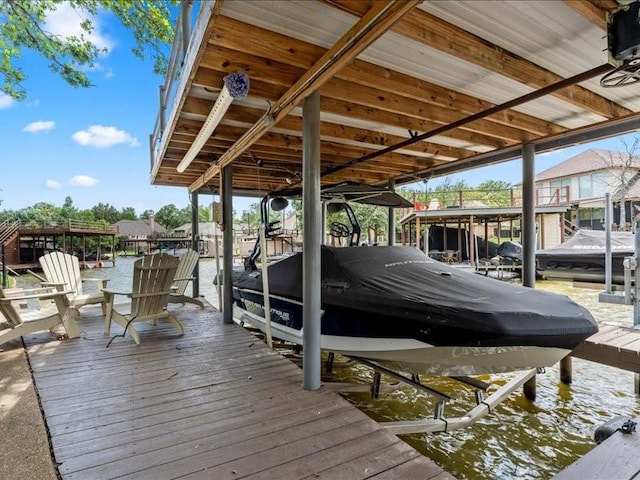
column 582, row 257
column 396, row 306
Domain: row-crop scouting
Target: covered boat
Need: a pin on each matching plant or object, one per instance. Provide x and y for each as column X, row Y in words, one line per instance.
column 396, row 306
column 582, row 257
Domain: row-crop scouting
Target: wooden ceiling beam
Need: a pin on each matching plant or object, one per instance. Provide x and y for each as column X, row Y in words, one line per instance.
column 372, row 98
column 244, row 55
column 371, row 114
column 373, row 24
column 341, row 132
column 276, row 146
column 591, row 12
column 436, row 33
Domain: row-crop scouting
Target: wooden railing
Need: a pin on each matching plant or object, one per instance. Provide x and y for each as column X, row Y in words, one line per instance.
column 68, row 224
column 511, row 197
column 176, row 62
column 7, row 230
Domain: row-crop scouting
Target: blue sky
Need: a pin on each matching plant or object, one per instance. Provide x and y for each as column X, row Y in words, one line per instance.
column 92, row 144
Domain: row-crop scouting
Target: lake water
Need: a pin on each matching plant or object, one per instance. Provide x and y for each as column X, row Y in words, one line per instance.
column 520, row 439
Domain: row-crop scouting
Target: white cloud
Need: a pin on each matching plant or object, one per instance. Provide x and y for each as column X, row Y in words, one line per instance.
column 52, row 184
column 65, row 21
column 104, row 137
column 83, row 181
column 39, row 126
column 5, row 101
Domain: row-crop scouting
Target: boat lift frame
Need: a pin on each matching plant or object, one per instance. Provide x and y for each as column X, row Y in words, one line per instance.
column 439, row 422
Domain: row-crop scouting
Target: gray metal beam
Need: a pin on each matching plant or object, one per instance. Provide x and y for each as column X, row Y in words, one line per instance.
column 312, row 218
column 607, row 243
column 575, row 137
column 227, row 243
column 528, row 216
column 195, row 237
column 391, row 223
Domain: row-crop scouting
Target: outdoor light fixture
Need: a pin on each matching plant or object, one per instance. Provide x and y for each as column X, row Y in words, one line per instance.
column 294, row 178
column 236, row 85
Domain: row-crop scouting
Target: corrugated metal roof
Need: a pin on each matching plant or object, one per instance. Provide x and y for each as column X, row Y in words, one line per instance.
column 440, row 63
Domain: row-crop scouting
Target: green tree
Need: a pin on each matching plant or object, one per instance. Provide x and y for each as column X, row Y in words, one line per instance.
column 128, row 213
column 23, row 26
column 495, row 193
column 68, row 211
column 169, row 216
column 146, row 214
column 106, row 212
column 448, row 192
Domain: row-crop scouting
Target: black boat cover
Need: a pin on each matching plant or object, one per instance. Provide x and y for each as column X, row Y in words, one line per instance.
column 400, row 292
column 589, row 242
column 511, row 250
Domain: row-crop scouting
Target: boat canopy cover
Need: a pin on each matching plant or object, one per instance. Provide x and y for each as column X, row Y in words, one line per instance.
column 588, row 242
column 450, row 306
column 367, row 194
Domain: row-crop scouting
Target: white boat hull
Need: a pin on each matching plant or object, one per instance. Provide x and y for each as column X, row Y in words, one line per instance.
column 413, row 356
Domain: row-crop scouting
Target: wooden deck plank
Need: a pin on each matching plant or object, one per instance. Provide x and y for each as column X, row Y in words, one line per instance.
column 340, row 461
column 214, row 430
column 615, row 458
column 195, row 385
column 272, row 408
column 214, row 403
column 617, row 347
column 608, row 336
column 627, row 336
column 264, row 453
column 413, row 469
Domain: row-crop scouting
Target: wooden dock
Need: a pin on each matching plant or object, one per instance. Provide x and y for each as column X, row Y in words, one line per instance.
column 613, row 345
column 615, row 458
column 212, row 404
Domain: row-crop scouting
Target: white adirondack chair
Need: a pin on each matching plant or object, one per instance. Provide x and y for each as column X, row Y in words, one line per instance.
column 31, row 310
column 184, row 275
column 152, row 278
column 63, row 270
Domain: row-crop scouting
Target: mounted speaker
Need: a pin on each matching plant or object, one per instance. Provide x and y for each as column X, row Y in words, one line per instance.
column 623, row 44
column 623, row 35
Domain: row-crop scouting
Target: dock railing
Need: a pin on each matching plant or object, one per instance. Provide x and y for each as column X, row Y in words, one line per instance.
column 68, row 225
column 480, row 198
column 183, row 51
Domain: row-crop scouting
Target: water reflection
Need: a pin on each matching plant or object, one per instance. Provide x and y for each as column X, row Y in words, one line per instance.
column 520, row 439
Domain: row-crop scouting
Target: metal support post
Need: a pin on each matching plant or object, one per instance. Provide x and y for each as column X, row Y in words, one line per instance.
column 311, row 309
column 186, row 25
column 391, row 224
column 227, row 243
column 528, row 236
column 528, row 216
column 607, row 243
column 195, row 239
column 636, row 286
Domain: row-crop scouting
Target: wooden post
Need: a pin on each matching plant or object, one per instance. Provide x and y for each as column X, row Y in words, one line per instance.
column 566, row 370
column 417, row 232
column 529, row 389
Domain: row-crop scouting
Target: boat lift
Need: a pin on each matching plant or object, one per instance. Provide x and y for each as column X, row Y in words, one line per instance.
column 439, row 422
column 631, row 295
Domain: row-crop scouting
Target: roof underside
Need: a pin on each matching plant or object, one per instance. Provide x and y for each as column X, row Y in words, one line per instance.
column 430, row 66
